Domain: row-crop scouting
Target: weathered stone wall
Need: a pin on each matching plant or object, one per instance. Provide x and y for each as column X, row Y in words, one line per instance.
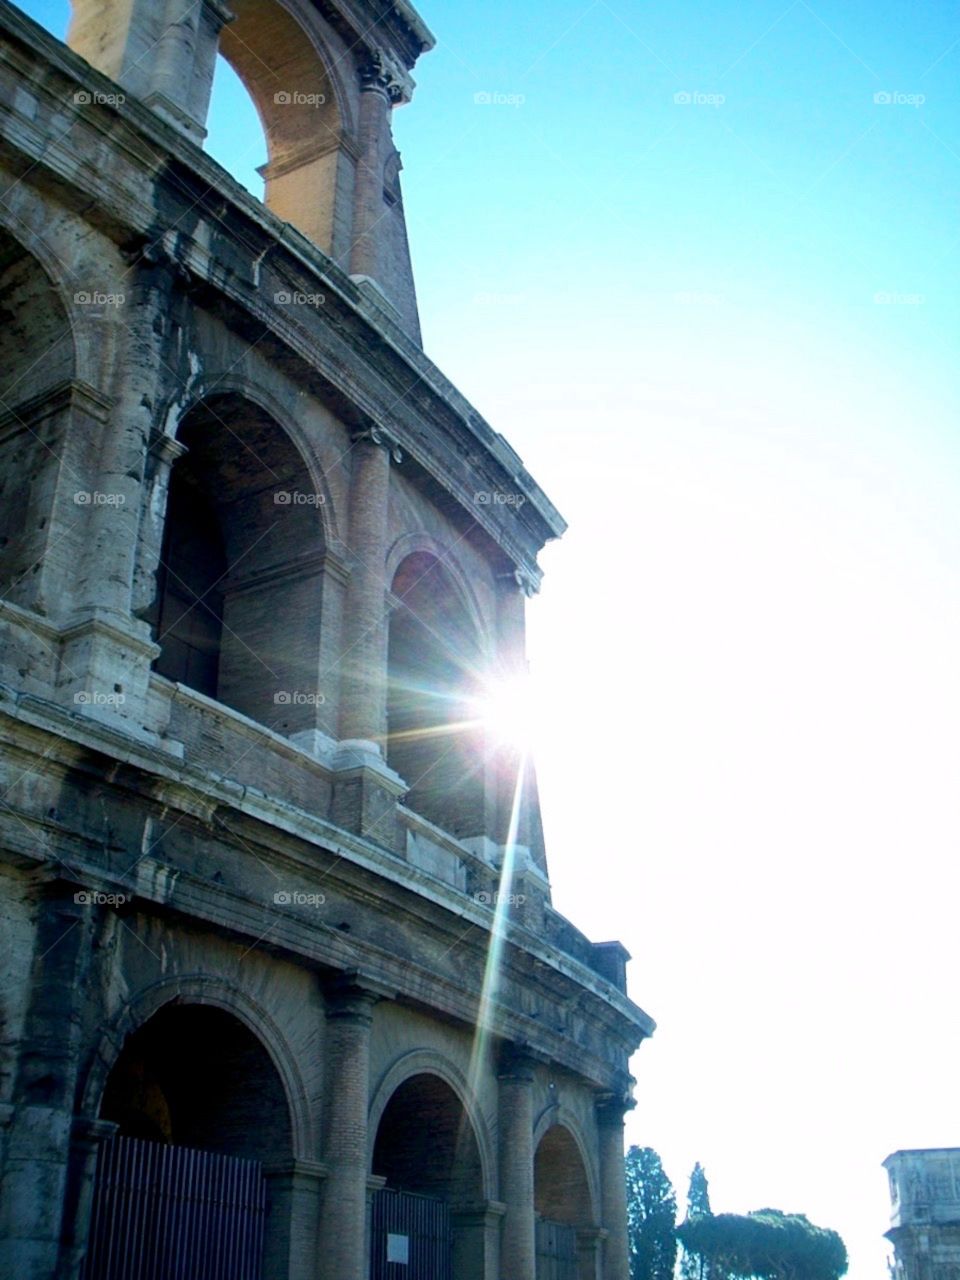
column 925, row 1213
column 247, row 849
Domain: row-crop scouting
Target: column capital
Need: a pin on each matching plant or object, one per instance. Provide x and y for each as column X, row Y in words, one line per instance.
column 310, row 1170
column 219, row 11
column 381, row 439
column 352, row 996
column 91, row 1130
column 167, row 448
column 613, row 1105
column 379, row 73
column 518, row 1062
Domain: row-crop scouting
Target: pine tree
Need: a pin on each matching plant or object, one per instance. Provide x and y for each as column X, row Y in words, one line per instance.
column 651, row 1216
column 693, row 1267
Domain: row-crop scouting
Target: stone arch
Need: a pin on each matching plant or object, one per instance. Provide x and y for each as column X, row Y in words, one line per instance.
column 238, row 597
column 428, row 1062
column 418, row 541
column 565, row 1189
column 278, row 52
column 427, row 1151
column 211, row 384
column 435, row 674
column 38, row 359
column 200, row 990
column 194, row 1065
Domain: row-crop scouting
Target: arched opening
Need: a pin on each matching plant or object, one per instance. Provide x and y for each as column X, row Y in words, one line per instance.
column 238, row 600
column 182, row 1188
column 235, row 134
column 428, row 1210
column 36, row 363
column 308, row 175
column 565, row 1244
column 196, row 1076
column 434, row 662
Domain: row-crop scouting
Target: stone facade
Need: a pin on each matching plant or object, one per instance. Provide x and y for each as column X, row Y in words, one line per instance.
column 925, row 1215
column 267, row 890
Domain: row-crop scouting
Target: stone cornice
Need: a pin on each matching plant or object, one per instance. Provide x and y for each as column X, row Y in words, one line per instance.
column 73, row 393
column 365, row 26
column 300, row 844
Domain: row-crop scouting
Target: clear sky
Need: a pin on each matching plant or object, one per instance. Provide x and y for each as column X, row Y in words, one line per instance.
column 722, row 333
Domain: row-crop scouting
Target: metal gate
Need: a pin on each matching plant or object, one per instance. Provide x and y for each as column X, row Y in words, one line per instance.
column 169, row 1213
column 556, row 1250
column 411, row 1237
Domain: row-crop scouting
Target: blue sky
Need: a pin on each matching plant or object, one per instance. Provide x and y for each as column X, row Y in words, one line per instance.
column 722, row 333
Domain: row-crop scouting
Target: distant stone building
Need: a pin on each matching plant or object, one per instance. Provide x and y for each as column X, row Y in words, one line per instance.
column 925, row 1218
column 284, row 994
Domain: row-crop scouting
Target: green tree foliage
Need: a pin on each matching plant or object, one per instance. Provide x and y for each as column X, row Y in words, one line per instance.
column 694, row 1266
column 651, row 1216
column 698, row 1196
column 767, row 1244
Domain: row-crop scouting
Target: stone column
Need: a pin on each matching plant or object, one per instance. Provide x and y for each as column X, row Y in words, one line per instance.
column 183, row 64
column 380, row 87
column 515, row 1147
column 363, row 653
column 613, row 1186
column 88, row 1135
column 163, row 453
column 476, row 1231
column 343, row 1211
column 107, row 652
column 37, row 1156
column 290, row 1243
column 590, row 1241
column 162, row 52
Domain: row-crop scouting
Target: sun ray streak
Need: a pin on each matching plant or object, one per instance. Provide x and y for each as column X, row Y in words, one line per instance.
column 493, row 965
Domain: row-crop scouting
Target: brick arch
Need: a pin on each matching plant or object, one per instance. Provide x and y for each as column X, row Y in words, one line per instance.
column 272, row 42
column 236, row 606
column 567, row 1156
column 417, row 541
column 278, row 50
column 427, row 1062
column 211, row 385
column 198, row 990
column 39, row 462
column 31, row 296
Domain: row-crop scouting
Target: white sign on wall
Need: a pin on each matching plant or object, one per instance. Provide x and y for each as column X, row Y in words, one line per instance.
column 398, row 1249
